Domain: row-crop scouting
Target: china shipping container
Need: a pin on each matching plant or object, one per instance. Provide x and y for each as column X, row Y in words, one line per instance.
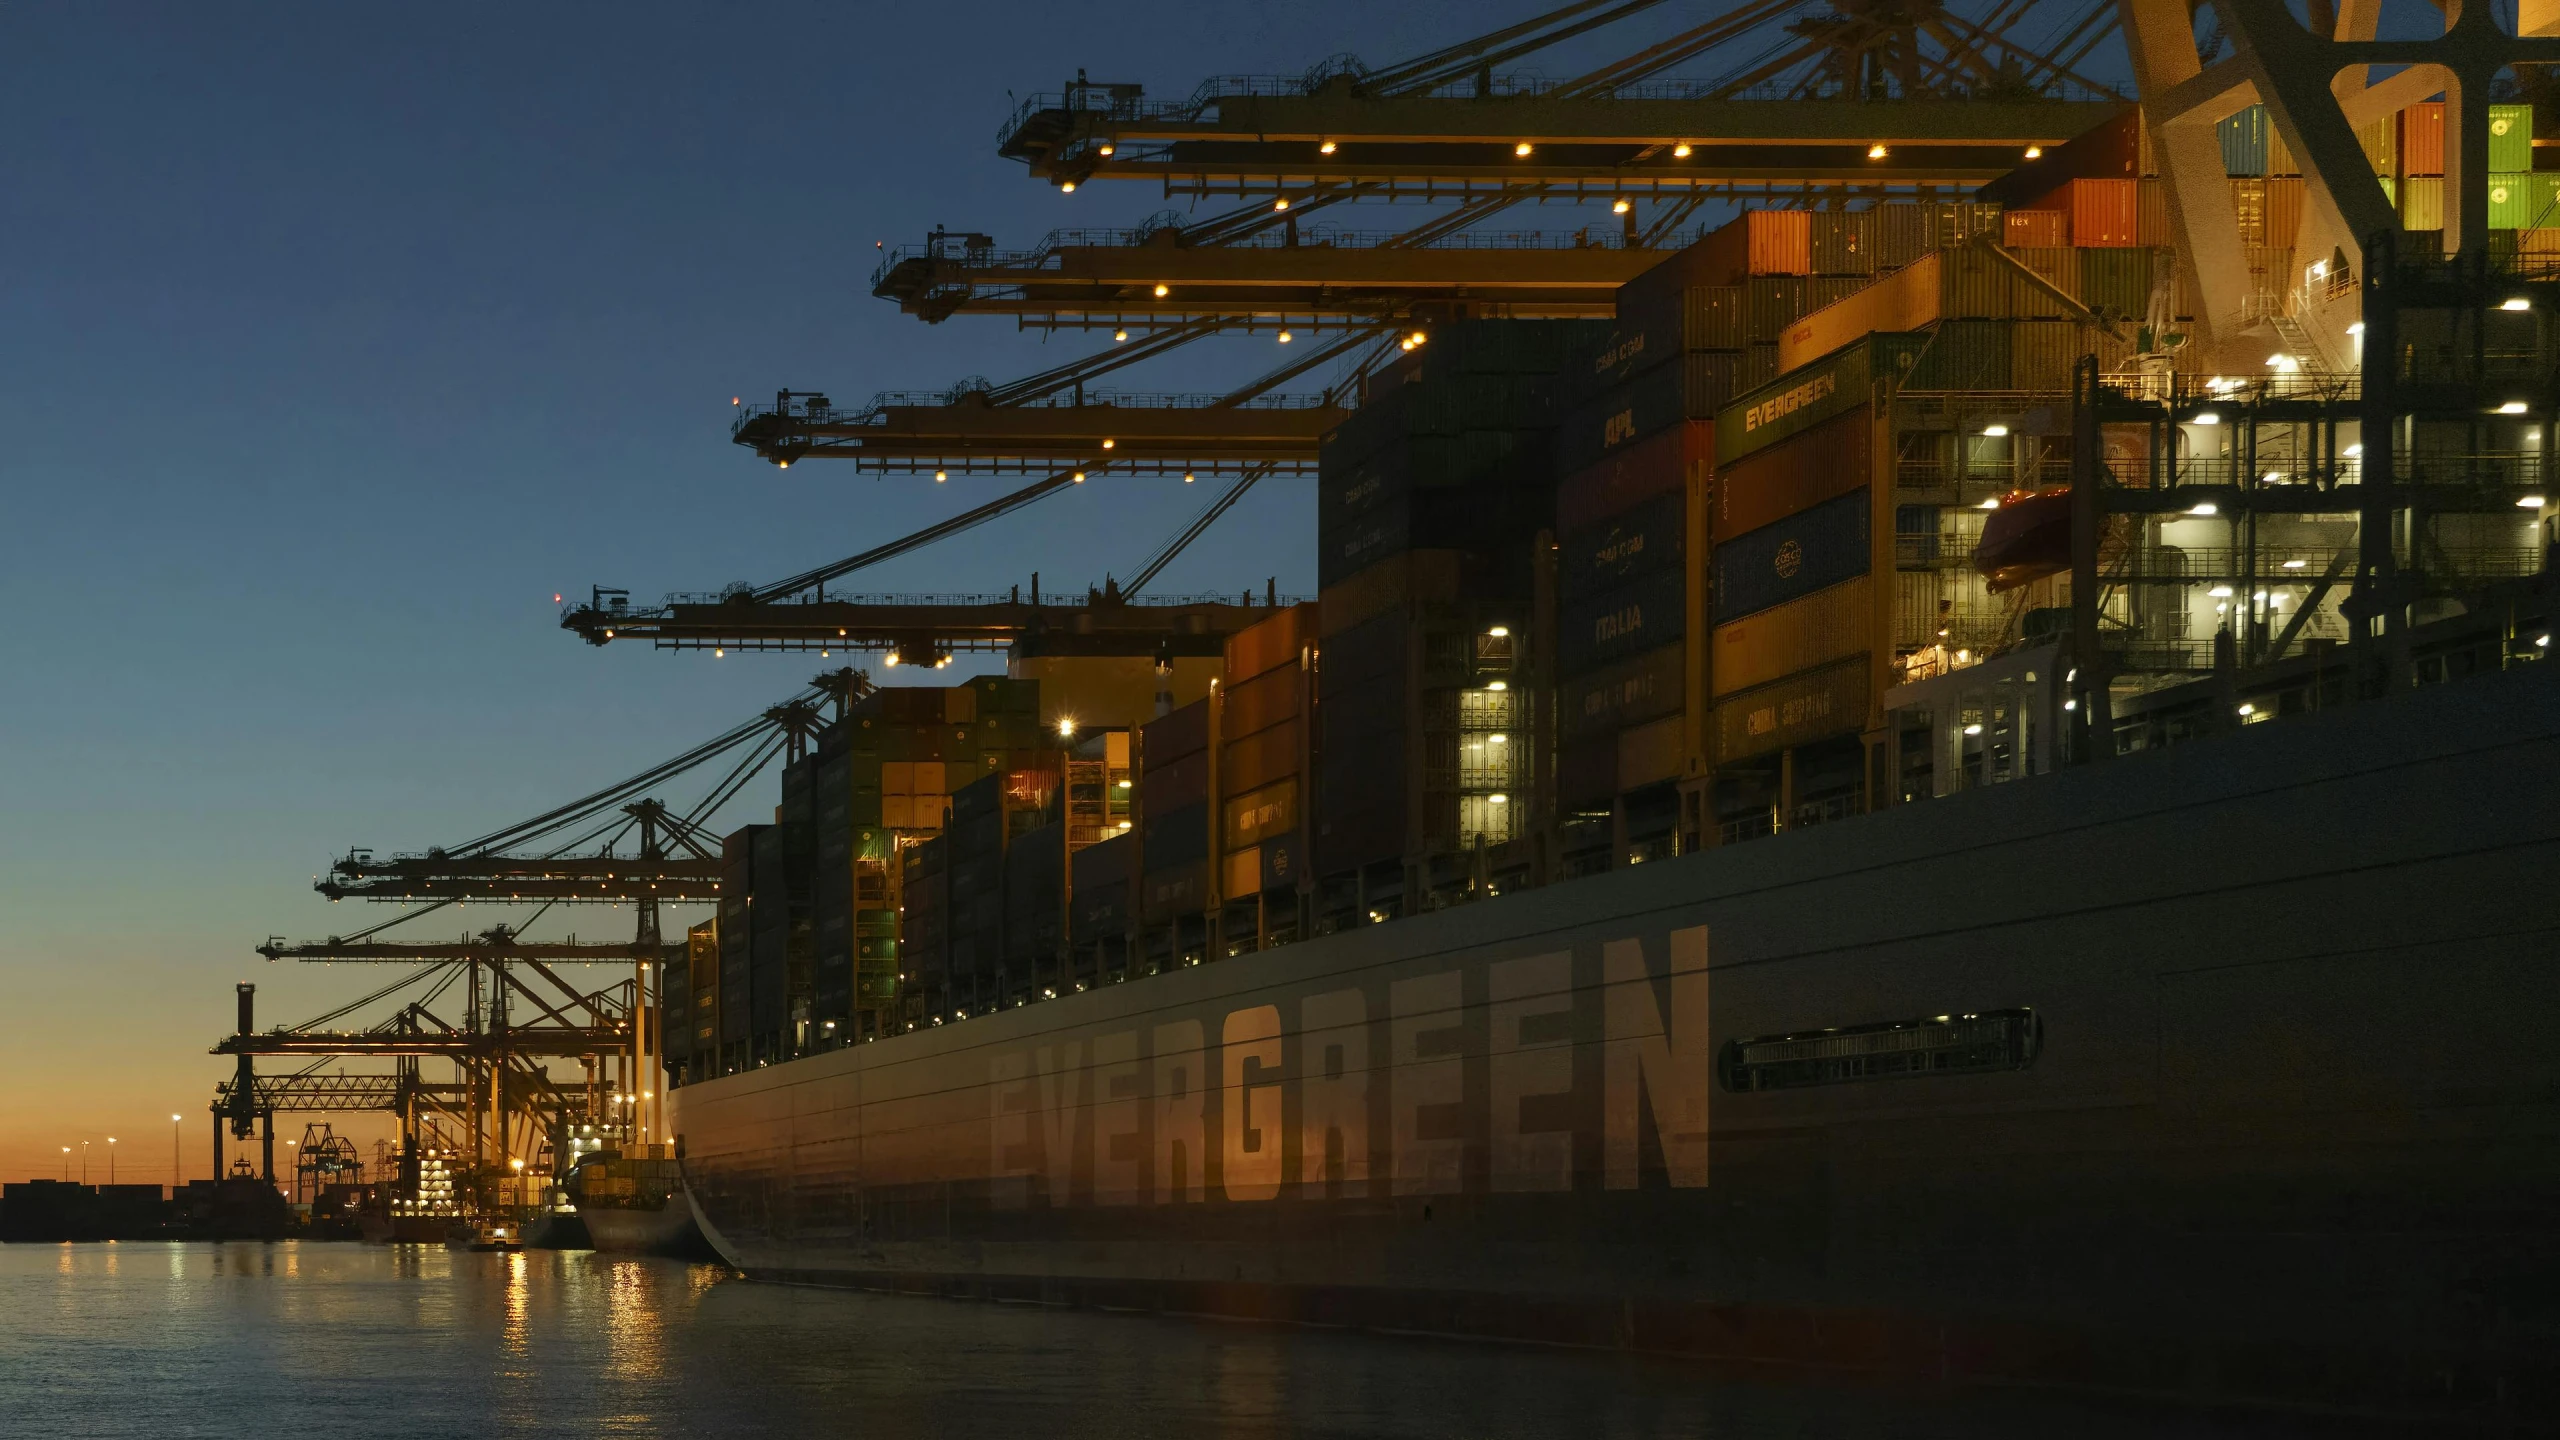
column 1821, row 702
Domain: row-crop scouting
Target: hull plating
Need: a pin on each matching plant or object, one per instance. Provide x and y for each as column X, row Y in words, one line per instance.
column 2285, row 1130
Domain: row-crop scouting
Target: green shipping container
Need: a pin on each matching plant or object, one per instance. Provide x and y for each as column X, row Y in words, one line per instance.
column 2116, row 281
column 2510, row 144
column 2524, row 201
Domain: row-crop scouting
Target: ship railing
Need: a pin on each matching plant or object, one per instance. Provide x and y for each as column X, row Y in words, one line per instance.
column 1047, row 600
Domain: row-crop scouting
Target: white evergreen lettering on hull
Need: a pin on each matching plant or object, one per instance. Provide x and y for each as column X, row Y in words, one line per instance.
column 1665, row 1060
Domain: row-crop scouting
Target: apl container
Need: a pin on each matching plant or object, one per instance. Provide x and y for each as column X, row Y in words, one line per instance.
column 1652, row 467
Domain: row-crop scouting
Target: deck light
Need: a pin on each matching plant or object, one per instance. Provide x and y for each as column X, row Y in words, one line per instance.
column 2296, row 564
column 1876, row 151
column 2220, row 592
column 718, row 654
column 1325, row 149
column 2352, row 451
column 1280, row 204
column 1497, row 739
column 1973, row 729
column 2248, row 709
column 1498, row 799
column 1079, row 477
column 1621, row 207
column 2207, row 508
column 2529, row 502
column 1522, row 149
column 1119, row 335
column 2035, row 152
column 939, row 476
column 1994, row 432
column 1418, row 337
column 2512, row 407
column 2357, row 329
column 1068, row 188
column 2207, row 417
column 1991, row 504
column 1186, row 477
column 1500, row 631
column 2517, row 303
column 1286, row 337
column 1067, row 726
column 1104, row 150
column 1680, row 151
column 1107, row 444
column 1163, row 290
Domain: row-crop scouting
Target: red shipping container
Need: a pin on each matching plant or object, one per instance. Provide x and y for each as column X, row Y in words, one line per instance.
column 2106, row 214
column 2422, row 138
column 2035, row 229
column 1641, row 471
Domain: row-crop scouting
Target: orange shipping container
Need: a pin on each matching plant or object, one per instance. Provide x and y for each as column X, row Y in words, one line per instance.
column 2422, row 143
column 1417, row 577
column 2151, row 215
column 2105, row 213
column 1265, row 700
column 1796, row 474
column 1269, row 643
column 1759, row 242
column 2035, row 229
column 1258, row 759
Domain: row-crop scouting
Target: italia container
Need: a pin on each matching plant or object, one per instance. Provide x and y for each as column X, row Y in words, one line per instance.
column 1630, row 531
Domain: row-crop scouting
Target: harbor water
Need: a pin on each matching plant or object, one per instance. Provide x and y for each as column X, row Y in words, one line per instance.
column 167, row 1340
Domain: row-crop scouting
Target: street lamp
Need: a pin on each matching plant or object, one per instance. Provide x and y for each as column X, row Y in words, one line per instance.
column 66, row 1164
column 177, row 1172
column 84, row 1162
column 111, row 1159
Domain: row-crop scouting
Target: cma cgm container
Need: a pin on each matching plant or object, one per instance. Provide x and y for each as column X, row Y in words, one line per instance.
column 1629, row 530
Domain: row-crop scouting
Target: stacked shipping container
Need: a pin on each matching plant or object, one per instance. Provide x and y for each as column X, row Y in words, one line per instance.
column 1264, row 743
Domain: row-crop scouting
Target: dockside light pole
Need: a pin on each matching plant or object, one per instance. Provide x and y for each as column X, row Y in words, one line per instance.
column 177, row 1170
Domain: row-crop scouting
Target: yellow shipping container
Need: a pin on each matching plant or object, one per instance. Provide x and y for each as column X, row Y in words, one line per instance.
column 2422, row 202
column 1827, row 625
column 1652, row 752
column 1907, row 299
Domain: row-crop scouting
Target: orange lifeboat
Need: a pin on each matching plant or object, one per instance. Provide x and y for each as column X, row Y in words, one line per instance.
column 2027, row 538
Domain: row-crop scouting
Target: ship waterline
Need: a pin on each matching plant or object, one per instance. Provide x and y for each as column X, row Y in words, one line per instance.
column 2187, row 1073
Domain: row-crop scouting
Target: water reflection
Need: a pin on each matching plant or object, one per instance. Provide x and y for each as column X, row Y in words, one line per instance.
column 254, row 1340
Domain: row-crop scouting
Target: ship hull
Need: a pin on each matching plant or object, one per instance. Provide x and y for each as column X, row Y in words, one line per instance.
column 2273, row 1121
column 662, row 1231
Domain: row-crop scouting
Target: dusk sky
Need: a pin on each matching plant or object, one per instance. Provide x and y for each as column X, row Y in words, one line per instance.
column 339, row 338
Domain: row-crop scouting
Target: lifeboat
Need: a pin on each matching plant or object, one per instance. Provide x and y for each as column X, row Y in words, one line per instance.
column 2027, row 538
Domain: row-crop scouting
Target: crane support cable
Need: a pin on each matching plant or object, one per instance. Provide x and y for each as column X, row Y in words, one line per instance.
column 943, row 530
column 1316, row 355
column 1191, row 532
column 1076, row 372
column 414, row 977
column 1686, row 45
column 578, row 810
column 1430, row 69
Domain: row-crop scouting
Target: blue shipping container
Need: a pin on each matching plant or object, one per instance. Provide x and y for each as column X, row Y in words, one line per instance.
column 1626, row 621
column 1649, row 537
column 1808, row 551
column 2244, row 142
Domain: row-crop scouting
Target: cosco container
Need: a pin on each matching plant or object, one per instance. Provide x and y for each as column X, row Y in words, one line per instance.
column 1808, row 551
column 1825, row 626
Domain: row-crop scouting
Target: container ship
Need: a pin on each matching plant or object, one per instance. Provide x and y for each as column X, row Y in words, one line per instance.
column 1866, row 815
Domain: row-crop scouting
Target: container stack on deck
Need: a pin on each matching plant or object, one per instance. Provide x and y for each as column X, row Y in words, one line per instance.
column 1592, row 594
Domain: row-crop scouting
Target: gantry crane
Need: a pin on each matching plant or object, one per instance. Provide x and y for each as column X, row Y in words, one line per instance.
column 518, row 1014
column 1854, row 81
